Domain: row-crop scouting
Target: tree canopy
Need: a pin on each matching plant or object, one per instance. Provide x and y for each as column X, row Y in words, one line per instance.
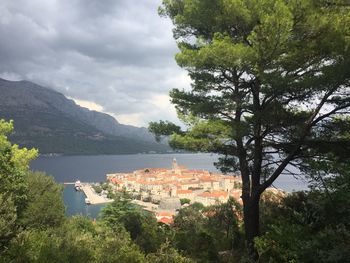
column 270, row 86
column 301, row 227
column 14, row 165
column 34, row 228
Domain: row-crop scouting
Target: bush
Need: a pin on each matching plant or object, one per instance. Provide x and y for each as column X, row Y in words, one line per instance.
column 185, row 201
column 97, row 188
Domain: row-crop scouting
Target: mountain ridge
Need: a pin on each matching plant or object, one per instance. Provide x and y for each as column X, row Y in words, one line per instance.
column 42, row 114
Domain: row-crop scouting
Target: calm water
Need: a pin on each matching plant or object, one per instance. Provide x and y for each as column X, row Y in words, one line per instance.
column 95, row 168
column 75, row 203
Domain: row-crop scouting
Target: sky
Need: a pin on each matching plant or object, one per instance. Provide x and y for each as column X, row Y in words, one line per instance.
column 114, row 56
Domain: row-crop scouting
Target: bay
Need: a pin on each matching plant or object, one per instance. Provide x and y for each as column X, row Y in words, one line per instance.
column 94, row 168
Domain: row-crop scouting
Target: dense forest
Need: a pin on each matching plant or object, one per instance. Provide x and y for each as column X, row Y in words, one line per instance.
column 310, row 226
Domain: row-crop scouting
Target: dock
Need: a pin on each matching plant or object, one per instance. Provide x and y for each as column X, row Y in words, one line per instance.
column 93, row 197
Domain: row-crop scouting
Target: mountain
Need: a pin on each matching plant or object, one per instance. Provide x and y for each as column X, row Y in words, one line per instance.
column 46, row 119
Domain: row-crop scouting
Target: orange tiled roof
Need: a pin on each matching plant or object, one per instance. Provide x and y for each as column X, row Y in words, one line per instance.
column 214, row 194
column 116, row 181
column 206, row 180
column 184, row 176
column 142, row 182
column 164, row 214
column 168, row 175
column 131, row 179
column 167, row 221
column 189, row 183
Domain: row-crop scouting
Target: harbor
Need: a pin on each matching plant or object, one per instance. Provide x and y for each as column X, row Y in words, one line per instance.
column 91, row 172
column 92, row 197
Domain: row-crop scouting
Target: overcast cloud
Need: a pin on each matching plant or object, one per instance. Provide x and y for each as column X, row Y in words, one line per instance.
column 116, row 56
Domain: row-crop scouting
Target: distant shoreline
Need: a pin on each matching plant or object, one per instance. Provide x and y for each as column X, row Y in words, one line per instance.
column 111, row 154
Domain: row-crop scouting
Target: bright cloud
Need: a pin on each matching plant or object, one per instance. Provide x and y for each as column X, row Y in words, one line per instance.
column 115, row 56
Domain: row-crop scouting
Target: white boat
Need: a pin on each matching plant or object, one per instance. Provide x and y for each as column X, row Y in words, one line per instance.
column 87, row 201
column 77, row 185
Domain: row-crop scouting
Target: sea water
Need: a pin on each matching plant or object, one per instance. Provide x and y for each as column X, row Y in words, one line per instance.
column 94, row 168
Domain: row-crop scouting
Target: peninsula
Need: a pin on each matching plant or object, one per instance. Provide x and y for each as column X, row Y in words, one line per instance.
column 164, row 191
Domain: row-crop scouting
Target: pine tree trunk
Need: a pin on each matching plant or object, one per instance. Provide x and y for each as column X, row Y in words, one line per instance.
column 251, row 224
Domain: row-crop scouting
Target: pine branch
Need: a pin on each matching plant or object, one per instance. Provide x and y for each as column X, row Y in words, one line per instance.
column 297, row 149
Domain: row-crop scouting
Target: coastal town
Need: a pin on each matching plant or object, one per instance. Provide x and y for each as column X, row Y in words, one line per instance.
column 164, row 191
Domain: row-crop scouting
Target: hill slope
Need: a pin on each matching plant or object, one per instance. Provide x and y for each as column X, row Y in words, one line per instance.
column 46, row 119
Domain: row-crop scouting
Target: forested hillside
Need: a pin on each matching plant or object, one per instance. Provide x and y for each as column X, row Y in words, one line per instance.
column 49, row 121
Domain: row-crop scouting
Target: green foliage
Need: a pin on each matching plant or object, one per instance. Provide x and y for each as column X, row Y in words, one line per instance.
column 292, row 241
column 8, row 218
column 167, row 254
column 270, row 80
column 237, row 185
column 302, row 227
column 33, row 227
column 252, row 63
column 299, row 227
column 197, row 206
column 309, row 226
column 191, row 236
column 105, row 186
column 201, row 233
column 114, row 246
column 111, row 195
column 82, row 224
column 112, row 213
column 141, row 225
column 49, row 246
column 223, row 218
column 97, row 188
column 76, row 241
column 185, row 201
column 163, row 128
column 44, row 194
column 14, row 164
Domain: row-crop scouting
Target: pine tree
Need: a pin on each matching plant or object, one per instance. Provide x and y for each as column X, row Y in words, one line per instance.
column 269, row 79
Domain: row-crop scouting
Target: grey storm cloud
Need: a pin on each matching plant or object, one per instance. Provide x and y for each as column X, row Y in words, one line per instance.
column 116, row 53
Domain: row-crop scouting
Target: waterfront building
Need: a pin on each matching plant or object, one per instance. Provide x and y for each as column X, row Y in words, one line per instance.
column 212, row 198
column 161, row 185
column 189, row 194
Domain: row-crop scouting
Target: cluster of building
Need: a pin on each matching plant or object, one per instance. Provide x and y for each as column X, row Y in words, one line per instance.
column 160, row 185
